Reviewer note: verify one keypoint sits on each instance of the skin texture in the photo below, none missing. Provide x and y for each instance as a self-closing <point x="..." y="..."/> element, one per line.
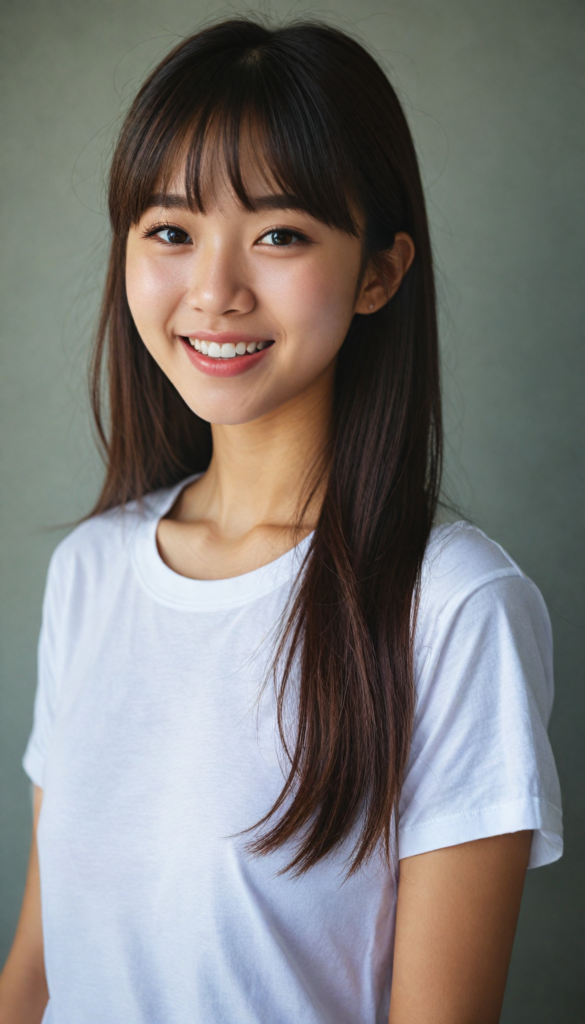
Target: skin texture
<point x="456" y="917"/>
<point x="457" y="907"/>
<point x="268" y="424"/>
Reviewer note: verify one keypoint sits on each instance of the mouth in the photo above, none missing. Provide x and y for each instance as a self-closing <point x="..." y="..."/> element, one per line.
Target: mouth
<point x="227" y="350"/>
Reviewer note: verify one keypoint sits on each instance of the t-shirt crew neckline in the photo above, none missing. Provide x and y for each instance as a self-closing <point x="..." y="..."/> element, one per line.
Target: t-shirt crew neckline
<point x="185" y="594"/>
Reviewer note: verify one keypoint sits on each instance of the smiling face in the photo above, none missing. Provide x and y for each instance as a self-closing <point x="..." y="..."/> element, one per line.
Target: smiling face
<point x="229" y="279"/>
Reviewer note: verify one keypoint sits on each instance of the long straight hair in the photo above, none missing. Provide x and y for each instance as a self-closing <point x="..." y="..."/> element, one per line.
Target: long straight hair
<point x="327" y="128"/>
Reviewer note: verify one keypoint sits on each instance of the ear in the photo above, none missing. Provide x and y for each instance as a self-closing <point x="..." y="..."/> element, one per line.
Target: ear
<point x="379" y="285"/>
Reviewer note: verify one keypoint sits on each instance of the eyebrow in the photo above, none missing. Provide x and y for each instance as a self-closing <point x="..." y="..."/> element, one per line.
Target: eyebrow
<point x="275" y="201"/>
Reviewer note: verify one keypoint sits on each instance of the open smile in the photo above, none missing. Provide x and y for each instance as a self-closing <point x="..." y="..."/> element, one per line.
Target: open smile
<point x="228" y="359"/>
<point x="227" y="350"/>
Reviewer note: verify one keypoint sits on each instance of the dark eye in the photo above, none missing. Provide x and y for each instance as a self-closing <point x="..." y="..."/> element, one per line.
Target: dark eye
<point x="280" y="236"/>
<point x="174" y="236"/>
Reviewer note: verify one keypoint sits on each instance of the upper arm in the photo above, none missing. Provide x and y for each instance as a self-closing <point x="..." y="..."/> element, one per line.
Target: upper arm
<point x="23" y="986"/>
<point x="37" y="803"/>
<point x="456" y="919"/>
<point x="29" y="934"/>
<point x="30" y="931"/>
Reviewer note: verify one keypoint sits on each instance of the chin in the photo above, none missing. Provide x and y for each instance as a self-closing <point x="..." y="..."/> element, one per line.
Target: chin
<point x="223" y="414"/>
<point x="230" y="413"/>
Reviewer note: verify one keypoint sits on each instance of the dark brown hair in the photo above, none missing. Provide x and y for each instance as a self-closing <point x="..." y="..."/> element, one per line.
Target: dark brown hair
<point x="329" y="129"/>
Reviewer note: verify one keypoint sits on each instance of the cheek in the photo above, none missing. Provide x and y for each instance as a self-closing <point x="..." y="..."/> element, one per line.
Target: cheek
<point x="153" y="293"/>
<point x="314" y="303"/>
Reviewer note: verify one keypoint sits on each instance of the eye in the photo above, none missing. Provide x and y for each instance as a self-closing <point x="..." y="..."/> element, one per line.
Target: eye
<point x="282" y="237"/>
<point x="173" y="235"/>
<point x="170" y="234"/>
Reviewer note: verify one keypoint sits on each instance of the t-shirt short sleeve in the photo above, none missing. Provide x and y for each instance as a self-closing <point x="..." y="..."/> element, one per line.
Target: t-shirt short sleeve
<point x="45" y="706"/>
<point x="481" y="762"/>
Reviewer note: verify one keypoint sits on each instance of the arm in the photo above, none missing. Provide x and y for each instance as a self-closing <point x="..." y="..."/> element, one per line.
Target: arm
<point x="456" y="918"/>
<point x="23" y="986"/>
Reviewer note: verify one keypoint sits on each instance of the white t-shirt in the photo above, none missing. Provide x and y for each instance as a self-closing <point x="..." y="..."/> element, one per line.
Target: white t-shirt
<point x="153" y="750"/>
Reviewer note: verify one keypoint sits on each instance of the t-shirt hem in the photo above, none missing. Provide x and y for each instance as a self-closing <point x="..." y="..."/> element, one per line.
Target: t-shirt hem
<point x="544" y="818"/>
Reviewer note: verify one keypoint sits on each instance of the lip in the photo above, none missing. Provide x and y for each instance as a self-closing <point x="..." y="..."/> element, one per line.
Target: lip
<point x="222" y="367"/>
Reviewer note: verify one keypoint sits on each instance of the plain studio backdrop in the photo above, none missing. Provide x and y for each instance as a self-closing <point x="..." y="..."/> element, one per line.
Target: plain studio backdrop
<point x="494" y="92"/>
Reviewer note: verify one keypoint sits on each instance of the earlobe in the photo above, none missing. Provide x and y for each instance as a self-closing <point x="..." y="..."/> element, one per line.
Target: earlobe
<point x="373" y="297"/>
<point x="374" y="293"/>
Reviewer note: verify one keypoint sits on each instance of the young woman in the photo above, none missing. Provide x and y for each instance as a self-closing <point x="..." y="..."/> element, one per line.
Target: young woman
<point x="290" y="732"/>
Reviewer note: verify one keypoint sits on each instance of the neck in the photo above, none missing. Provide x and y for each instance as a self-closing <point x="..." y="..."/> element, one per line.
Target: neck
<point x="258" y="470"/>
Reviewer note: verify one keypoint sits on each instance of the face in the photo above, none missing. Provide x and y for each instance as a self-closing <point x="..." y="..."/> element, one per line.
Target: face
<point x="243" y="311"/>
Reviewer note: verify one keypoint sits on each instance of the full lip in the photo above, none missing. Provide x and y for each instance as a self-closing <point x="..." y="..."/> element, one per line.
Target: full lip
<point x="223" y="368"/>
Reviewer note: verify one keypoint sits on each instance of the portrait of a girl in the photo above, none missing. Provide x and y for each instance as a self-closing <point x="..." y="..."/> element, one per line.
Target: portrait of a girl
<point x="290" y="747"/>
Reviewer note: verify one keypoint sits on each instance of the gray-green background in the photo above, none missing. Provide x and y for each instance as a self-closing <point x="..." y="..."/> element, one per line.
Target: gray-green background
<point x="494" y="92"/>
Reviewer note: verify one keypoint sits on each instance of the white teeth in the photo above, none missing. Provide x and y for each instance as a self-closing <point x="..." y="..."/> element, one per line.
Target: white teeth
<point x="228" y="350"/>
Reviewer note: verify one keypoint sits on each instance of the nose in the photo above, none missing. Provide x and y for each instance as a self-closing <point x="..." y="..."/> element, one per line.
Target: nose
<point x="217" y="285"/>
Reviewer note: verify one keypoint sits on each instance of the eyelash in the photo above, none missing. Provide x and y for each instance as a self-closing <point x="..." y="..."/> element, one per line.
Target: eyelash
<point x="152" y="232"/>
<point x="297" y="235"/>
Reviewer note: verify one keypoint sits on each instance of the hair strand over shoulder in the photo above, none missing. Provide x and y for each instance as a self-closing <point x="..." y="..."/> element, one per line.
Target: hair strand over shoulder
<point x="329" y="129"/>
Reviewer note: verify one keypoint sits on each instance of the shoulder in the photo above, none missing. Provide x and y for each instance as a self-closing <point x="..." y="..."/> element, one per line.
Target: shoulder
<point x="99" y="547"/>
<point x="463" y="567"/>
<point x="460" y="559"/>
<point x="473" y="597"/>
<point x="101" y="540"/>
<point x="478" y="606"/>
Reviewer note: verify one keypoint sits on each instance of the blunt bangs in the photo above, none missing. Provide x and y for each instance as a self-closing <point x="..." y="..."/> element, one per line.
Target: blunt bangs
<point x="214" y="114"/>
